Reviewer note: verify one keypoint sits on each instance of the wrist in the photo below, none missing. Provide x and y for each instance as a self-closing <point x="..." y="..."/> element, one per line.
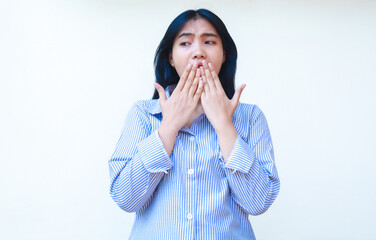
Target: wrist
<point x="226" y="131"/>
<point x="226" y="138"/>
<point x="223" y="125"/>
<point x="168" y="137"/>
<point x="168" y="130"/>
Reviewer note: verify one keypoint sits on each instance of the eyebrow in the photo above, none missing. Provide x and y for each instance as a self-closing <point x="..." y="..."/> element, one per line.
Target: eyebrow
<point x="204" y="34"/>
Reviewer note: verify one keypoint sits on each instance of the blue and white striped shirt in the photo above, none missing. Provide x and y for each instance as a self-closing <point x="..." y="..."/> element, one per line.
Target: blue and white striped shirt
<point x="193" y="194"/>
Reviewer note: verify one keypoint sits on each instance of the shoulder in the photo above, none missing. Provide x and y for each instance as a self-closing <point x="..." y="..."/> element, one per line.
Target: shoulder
<point x="145" y="107"/>
<point x="142" y="109"/>
<point x="248" y="111"/>
<point x="245" y="116"/>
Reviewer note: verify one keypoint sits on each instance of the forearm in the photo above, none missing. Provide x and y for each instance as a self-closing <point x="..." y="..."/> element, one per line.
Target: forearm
<point x="133" y="185"/>
<point x="254" y="185"/>
<point x="254" y="191"/>
<point x="167" y="133"/>
<point x="226" y="138"/>
<point x="136" y="173"/>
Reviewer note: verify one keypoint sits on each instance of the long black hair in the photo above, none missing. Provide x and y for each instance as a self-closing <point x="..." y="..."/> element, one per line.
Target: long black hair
<point x="166" y="75"/>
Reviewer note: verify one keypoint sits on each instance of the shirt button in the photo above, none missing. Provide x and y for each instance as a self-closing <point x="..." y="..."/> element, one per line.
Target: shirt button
<point x="190" y="171"/>
<point x="189" y="216"/>
<point x="192" y="138"/>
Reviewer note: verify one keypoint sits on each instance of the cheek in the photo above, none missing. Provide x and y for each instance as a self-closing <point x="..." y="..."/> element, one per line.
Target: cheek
<point x="179" y="67"/>
<point x="218" y="60"/>
<point x="180" y="62"/>
<point x="218" y="69"/>
<point x="179" y="71"/>
<point x="218" y="64"/>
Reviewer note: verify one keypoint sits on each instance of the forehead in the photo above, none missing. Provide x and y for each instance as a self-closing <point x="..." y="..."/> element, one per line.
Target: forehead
<point x="198" y="26"/>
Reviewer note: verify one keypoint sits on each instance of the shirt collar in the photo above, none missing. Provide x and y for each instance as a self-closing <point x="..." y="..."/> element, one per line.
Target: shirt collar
<point x="155" y="108"/>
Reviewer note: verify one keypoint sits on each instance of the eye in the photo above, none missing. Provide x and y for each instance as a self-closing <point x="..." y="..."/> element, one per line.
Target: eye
<point x="210" y="42"/>
<point x="184" y="44"/>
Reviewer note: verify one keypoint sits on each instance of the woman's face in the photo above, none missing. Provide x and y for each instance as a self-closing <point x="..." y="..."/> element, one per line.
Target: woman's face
<point x="197" y="40"/>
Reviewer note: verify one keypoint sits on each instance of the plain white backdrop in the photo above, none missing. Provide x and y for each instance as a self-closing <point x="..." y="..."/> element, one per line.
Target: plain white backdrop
<point x="70" y="71"/>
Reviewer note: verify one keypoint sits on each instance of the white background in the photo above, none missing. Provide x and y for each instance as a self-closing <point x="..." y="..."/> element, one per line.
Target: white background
<point x="70" y="71"/>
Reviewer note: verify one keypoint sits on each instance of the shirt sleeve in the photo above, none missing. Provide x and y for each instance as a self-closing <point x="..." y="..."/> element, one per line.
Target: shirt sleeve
<point x="251" y="169"/>
<point x="138" y="163"/>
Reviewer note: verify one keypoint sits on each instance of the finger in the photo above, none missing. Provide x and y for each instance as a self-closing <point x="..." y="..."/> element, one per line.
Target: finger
<point x="208" y="76"/>
<point x="215" y="77"/>
<point x="236" y="97"/>
<point x="195" y="83"/>
<point x="206" y="86"/>
<point x="200" y="90"/>
<point x="161" y="92"/>
<point x="190" y="78"/>
<point x="183" y="77"/>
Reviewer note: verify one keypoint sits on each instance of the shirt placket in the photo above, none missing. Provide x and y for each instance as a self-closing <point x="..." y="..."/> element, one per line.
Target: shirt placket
<point x="191" y="183"/>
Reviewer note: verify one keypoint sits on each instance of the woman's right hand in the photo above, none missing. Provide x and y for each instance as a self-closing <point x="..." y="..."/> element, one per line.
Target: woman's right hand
<point x="178" y="108"/>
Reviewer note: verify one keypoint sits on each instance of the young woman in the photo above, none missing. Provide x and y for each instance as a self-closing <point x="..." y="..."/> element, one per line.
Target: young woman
<point x="194" y="163"/>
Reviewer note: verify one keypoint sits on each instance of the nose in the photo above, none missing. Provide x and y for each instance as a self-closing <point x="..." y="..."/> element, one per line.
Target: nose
<point x="199" y="53"/>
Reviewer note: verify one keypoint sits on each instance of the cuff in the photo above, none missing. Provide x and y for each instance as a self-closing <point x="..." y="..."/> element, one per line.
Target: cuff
<point x="241" y="157"/>
<point x="154" y="155"/>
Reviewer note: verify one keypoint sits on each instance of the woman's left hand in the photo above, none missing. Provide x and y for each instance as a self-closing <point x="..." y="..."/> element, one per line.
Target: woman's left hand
<point x="218" y="108"/>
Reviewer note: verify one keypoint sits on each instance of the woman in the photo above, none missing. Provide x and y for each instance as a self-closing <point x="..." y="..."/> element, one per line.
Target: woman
<point x="194" y="163"/>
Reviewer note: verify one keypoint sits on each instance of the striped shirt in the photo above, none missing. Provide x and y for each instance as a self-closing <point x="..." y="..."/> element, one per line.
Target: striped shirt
<point x="193" y="194"/>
